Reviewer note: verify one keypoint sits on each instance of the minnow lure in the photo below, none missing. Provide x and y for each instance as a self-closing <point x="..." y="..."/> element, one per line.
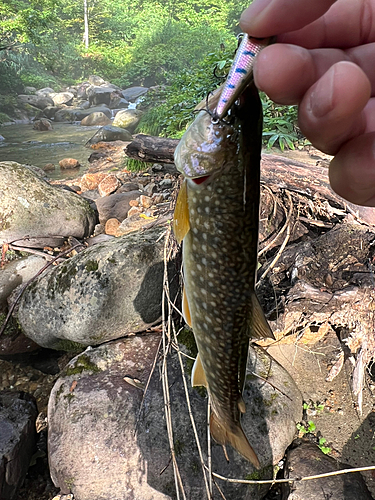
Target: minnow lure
<point x="240" y="73"/>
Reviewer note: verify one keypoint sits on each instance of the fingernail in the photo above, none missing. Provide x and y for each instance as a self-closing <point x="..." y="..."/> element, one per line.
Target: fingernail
<point x="249" y="16"/>
<point x="321" y="99"/>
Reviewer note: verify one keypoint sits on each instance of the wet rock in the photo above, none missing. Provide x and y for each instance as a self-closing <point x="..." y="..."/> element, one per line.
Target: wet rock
<point x="308" y="460"/>
<point x="42" y="125"/>
<point x="62" y="98"/>
<point x="115" y="206"/>
<point x="98" y="118"/>
<point x="131" y="94"/>
<point x="108" y="185"/>
<point x="92" y="438"/>
<point x="50" y="111"/>
<point x="111" y="226"/>
<point x="96" y="155"/>
<point x="48" y="167"/>
<point x="102" y="293"/>
<point x="41" y="210"/>
<point x="118" y="102"/>
<point x="69" y="163"/>
<point x="78" y="114"/>
<point x="127" y="119"/>
<point x="18" y="414"/>
<point x="110" y="133"/>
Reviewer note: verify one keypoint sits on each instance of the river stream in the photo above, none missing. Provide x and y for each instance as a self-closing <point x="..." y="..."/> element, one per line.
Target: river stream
<point x="66" y="140"/>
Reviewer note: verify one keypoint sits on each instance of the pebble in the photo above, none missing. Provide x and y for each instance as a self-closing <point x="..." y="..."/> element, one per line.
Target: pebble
<point x="146" y="201"/>
<point x="68" y="163"/>
<point x="108" y="185"/>
<point x="111" y="226"/>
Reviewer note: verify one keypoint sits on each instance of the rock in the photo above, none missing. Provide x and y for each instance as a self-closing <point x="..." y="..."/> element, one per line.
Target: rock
<point x="18" y="414"/>
<point x="30" y="90"/>
<point x="99" y="436"/>
<point x="107" y="291"/>
<point x="134" y="211"/>
<point x="50" y="111"/>
<point x="134" y="203"/>
<point x="48" y="167"/>
<point x="69" y="163"/>
<point x="45" y="91"/>
<point x="17" y="272"/>
<point x="39" y="101"/>
<point x="127" y="119"/>
<point x="111" y="226"/>
<point x="308" y="460"/>
<point x="128" y="186"/>
<point x="42" y="125"/>
<point x="132" y="223"/>
<point x="96" y="119"/>
<point x="62" y="98"/>
<point x="13" y="341"/>
<point x="108" y="185"/>
<point x="99" y="95"/>
<point x="131" y="94"/>
<point x="96" y="80"/>
<point x="96" y="155"/>
<point x="81" y="90"/>
<point x="77" y="114"/>
<point x="2" y="138"/>
<point x="166" y="183"/>
<point x="145" y="201"/>
<point x="115" y="206"/>
<point x="118" y="102"/>
<point x="65" y="115"/>
<point x="110" y="133"/>
<point x="91" y="181"/>
<point x="40" y="209"/>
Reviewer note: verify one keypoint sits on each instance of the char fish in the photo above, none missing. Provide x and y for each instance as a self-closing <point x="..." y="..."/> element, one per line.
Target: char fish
<point x="217" y="217"/>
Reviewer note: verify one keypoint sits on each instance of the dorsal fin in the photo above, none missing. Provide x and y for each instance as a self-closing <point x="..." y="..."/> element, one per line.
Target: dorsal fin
<point x="181" y="224"/>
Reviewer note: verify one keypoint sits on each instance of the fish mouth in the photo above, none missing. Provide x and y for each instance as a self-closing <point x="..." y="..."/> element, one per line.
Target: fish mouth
<point x="200" y="180"/>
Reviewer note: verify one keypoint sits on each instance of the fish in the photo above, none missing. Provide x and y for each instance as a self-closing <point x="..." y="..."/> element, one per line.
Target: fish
<point x="216" y="217"/>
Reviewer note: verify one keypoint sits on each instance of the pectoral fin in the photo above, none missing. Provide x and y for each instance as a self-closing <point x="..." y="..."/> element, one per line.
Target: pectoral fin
<point x="198" y="376"/>
<point x="181" y="224"/>
<point x="235" y="437"/>
<point x="259" y="327"/>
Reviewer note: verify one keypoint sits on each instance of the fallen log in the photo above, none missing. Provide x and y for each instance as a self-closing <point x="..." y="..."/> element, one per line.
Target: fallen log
<point x="151" y="149"/>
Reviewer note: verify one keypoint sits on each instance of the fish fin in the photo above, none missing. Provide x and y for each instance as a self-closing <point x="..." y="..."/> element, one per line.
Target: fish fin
<point x="181" y="224"/>
<point x="236" y="438"/>
<point x="198" y="376"/>
<point x="241" y="405"/>
<point x="185" y="308"/>
<point x="259" y="325"/>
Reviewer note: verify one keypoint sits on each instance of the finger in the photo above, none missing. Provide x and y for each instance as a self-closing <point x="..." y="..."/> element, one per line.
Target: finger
<point x="270" y="17"/>
<point x="352" y="171"/>
<point x="332" y="110"/>
<point x="286" y="72"/>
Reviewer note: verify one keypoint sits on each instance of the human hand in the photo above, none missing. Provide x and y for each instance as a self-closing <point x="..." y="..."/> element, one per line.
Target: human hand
<point x="324" y="61"/>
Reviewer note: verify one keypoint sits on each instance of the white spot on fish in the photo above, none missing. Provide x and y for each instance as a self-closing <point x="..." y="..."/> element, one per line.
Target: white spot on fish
<point x="195" y="230"/>
<point x="204" y="236"/>
<point x="204" y="260"/>
<point x="206" y="198"/>
<point x="199" y="267"/>
<point x="207" y="210"/>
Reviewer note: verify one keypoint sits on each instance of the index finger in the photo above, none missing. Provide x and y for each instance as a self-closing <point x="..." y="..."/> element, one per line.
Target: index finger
<point x="265" y="18"/>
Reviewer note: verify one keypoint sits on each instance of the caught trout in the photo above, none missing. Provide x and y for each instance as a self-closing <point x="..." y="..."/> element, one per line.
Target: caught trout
<point x="217" y="216"/>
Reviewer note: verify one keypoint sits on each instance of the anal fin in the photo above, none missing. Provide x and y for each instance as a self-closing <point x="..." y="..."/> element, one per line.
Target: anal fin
<point x="259" y="327"/>
<point x="198" y="377"/>
<point x="181" y="224"/>
<point x="236" y="438"/>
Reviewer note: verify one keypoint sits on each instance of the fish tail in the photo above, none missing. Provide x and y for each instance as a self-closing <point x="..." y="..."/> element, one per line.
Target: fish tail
<point x="235" y="437"/>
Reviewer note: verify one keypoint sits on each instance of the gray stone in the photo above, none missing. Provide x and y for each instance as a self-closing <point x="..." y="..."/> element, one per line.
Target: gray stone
<point x="42" y="125"/>
<point x="128" y="119"/>
<point x="115" y="206"/>
<point x="45" y="91"/>
<point x="39" y="101"/>
<point x="131" y="94"/>
<point x="96" y="80"/>
<point x="102" y="446"/>
<point x="29" y="206"/>
<point x="118" y="102"/>
<point x="99" y="95"/>
<point x="30" y="90"/>
<point x="109" y="133"/>
<point x="18" y="414"/>
<point x="103" y="293"/>
<point x="308" y="460"/>
<point x="78" y="114"/>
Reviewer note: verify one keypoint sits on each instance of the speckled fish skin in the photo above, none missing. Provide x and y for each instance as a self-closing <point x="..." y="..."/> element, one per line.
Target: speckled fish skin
<point x="241" y="72"/>
<point x="220" y="250"/>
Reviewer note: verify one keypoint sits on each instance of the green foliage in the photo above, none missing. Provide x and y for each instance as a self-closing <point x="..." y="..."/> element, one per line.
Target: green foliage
<point x="321" y="445"/>
<point x="279" y="124"/>
<point x="4" y="118"/>
<point x="136" y="165"/>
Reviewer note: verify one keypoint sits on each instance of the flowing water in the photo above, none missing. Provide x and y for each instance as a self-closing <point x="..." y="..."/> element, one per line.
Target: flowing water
<point x="25" y="145"/>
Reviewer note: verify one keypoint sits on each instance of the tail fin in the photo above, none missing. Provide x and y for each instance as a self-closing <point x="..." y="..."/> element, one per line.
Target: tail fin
<point x="237" y="439"/>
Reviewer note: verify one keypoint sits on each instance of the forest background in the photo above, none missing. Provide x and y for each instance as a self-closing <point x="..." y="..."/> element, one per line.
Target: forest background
<point x="183" y="47"/>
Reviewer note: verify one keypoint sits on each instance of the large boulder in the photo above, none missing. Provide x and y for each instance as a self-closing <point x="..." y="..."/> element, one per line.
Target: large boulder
<point x="98" y="118"/>
<point x="99" y="95"/>
<point x="18" y="414"/>
<point x="45" y="91"/>
<point x="96" y="80"/>
<point x="109" y="133"/>
<point x="115" y="205"/>
<point x="103" y="293"/>
<point x="70" y="114"/>
<point x="62" y="98"/>
<point x="39" y="101"/>
<point x="127" y="118"/>
<point x="105" y="441"/>
<point x="131" y="94"/>
<point x="29" y="206"/>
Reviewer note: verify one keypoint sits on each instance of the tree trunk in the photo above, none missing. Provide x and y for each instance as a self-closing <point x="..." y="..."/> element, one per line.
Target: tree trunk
<point x="151" y="149"/>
